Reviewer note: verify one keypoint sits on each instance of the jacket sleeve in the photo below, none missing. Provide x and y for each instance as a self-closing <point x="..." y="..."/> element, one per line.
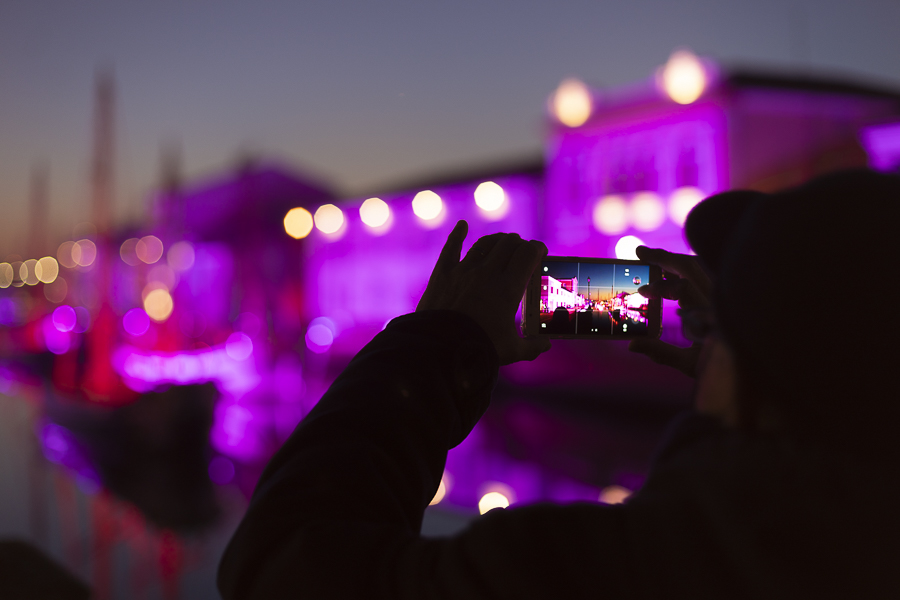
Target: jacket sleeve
<point x="338" y="510"/>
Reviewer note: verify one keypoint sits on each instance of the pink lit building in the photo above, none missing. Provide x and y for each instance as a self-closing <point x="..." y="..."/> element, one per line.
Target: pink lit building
<point x="560" y="292"/>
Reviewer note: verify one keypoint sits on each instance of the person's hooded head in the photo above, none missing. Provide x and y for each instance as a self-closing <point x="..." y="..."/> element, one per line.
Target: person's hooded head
<point x="806" y="297"/>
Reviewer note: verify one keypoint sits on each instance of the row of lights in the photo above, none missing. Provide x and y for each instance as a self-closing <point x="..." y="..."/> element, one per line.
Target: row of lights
<point x="683" y="79"/>
<point x="645" y="212"/>
<point x="375" y="212"/>
<point x="29" y="272"/>
<point x="500" y="495"/>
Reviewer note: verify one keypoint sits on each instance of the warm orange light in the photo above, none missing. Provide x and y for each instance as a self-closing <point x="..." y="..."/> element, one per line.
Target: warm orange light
<point x="329" y="218"/>
<point x="492" y="500"/>
<point x="647" y="211"/>
<point x="27" y="272"/>
<point x="149" y="249"/>
<point x="427" y="205"/>
<point x="64" y="255"/>
<point x="374" y="212"/>
<point x="6" y="275"/>
<point x="572" y="104"/>
<point x="683" y="77"/>
<point x="127" y="252"/>
<point x="614" y="494"/>
<point x="298" y="223"/>
<point x="84" y="252"/>
<point x="443" y="489"/>
<point x="682" y="201"/>
<point x="611" y="215"/>
<point x="158" y="304"/>
<point x="46" y="269"/>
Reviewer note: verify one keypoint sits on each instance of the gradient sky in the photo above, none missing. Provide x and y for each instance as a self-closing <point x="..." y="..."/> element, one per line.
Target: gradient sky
<point x="360" y="94"/>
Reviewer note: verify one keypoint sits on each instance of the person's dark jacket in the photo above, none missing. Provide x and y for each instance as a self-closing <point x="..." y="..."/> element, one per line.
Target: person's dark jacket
<point x="723" y="514"/>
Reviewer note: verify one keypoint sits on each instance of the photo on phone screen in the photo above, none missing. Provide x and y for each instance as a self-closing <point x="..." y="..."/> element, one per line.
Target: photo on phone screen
<point x="593" y="299"/>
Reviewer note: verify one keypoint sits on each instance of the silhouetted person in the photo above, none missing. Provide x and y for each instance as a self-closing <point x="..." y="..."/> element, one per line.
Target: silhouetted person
<point x="560" y="322"/>
<point x="782" y="483"/>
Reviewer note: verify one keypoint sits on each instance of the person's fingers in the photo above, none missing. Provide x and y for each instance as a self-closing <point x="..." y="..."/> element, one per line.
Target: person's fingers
<point x="449" y="257"/>
<point x="683" y="265"/>
<point x="481" y="248"/>
<point x="683" y="359"/>
<point x="524" y="261"/>
<point x="500" y="254"/>
<point x="681" y="290"/>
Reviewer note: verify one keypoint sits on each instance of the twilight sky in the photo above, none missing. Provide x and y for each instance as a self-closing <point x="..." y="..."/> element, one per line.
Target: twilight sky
<point x="360" y="94"/>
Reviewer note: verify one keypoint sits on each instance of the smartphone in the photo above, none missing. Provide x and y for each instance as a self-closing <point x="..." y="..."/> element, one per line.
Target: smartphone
<point x="591" y="298"/>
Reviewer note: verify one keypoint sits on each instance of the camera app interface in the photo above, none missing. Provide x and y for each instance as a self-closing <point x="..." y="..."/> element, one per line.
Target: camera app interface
<point x="593" y="299"/>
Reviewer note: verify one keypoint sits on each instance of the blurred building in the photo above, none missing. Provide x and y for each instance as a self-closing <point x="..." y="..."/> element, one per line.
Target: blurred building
<point x="263" y="283"/>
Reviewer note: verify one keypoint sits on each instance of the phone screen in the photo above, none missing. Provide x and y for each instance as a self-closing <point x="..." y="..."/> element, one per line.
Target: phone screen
<point x="593" y="299"/>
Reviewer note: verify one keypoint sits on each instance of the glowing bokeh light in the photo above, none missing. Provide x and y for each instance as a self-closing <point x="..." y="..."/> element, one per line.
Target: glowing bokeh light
<point x="572" y="103"/>
<point x="489" y="196"/>
<point x="180" y="256"/>
<point x="492" y="500"/>
<point x="127" y="252"/>
<point x="614" y="494"/>
<point x="427" y="205"/>
<point x="239" y="346"/>
<point x="149" y="249"/>
<point x="298" y="223"/>
<point x="6" y="275"/>
<point x="64" y="318"/>
<point x="611" y="215"/>
<point x="647" y="211"/>
<point x="319" y="338"/>
<point x="82" y="320"/>
<point x="56" y="292"/>
<point x="683" y="77"/>
<point x="626" y="246"/>
<point x="64" y="255"/>
<point x="221" y="470"/>
<point x="84" y="252"/>
<point x="136" y="322"/>
<point x="443" y="489"/>
<point x="374" y="212"/>
<point x="158" y="304"/>
<point x="329" y="218"/>
<point x="28" y="273"/>
<point x="47" y="269"/>
<point x="682" y="201"/>
<point x="56" y="341"/>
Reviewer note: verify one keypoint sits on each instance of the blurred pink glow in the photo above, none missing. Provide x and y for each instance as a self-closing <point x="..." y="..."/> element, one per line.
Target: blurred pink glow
<point x="57" y="341"/>
<point x="136" y="322"/>
<point x="64" y="318"/>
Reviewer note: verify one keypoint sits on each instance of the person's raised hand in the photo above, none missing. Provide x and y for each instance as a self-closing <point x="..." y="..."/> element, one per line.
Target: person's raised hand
<point x="487" y="285"/>
<point x="685" y="281"/>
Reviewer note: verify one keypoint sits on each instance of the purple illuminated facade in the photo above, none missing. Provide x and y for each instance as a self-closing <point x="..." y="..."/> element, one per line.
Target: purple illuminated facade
<point x="271" y="320"/>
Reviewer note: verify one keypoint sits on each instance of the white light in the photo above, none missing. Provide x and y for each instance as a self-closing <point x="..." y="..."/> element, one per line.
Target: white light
<point x="682" y="201"/>
<point x="329" y="218"/>
<point x="149" y="249"/>
<point x="158" y="304"/>
<point x="647" y="211"/>
<point x="572" y="103"/>
<point x="626" y="246"/>
<point x="614" y="494"/>
<point x="492" y="500"/>
<point x="6" y="275"/>
<point x="427" y="205"/>
<point x="298" y="223"/>
<point x="683" y="77"/>
<point x="84" y="252"/>
<point x="374" y="212"/>
<point x="611" y="215"/>
<point x="489" y="196"/>
<point x="443" y="488"/>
